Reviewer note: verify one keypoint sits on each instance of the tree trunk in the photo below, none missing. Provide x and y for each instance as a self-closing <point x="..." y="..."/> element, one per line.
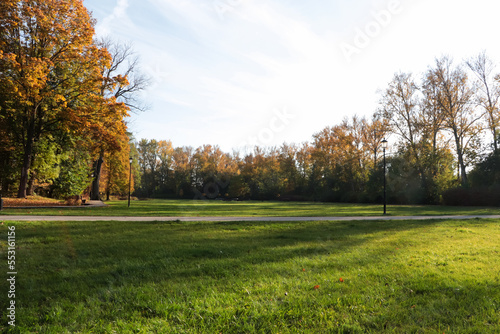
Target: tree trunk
<point x="463" y="171"/>
<point x="24" y="179"/>
<point x="495" y="143"/>
<point x="95" y="196"/>
<point x="25" y="169"/>
<point x="108" y="184"/>
<point x="461" y="164"/>
<point x="31" y="184"/>
<point x="5" y="163"/>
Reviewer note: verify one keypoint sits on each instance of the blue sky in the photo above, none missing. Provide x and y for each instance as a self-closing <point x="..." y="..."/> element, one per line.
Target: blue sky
<point x="239" y="73"/>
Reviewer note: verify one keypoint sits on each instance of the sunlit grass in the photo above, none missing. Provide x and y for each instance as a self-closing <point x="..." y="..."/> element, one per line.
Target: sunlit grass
<point x="206" y="208"/>
<point x="371" y="277"/>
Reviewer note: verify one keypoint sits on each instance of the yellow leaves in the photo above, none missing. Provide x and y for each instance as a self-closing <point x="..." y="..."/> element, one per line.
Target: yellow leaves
<point x="60" y="100"/>
<point x="36" y="71"/>
<point x="9" y="58"/>
<point x="121" y="80"/>
<point x="53" y="63"/>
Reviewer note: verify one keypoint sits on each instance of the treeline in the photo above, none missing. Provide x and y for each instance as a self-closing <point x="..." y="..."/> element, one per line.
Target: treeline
<point x="64" y="96"/>
<point x="442" y="128"/>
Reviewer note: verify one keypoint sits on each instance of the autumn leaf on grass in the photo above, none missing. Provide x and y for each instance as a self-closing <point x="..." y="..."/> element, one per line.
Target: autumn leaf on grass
<point x="316" y="287"/>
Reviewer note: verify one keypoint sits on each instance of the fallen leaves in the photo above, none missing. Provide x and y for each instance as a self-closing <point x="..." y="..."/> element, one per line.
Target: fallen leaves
<point x="31" y="201"/>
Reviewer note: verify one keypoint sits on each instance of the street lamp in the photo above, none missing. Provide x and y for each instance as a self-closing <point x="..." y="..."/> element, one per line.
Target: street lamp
<point x="130" y="180"/>
<point x="384" y="147"/>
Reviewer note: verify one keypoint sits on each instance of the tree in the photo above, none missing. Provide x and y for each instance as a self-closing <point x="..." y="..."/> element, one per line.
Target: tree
<point x="372" y="135"/>
<point x="49" y="70"/>
<point x="116" y="170"/>
<point x="74" y="175"/>
<point x="288" y="167"/>
<point x="303" y="160"/>
<point x="340" y="161"/>
<point x="488" y="95"/>
<point x="166" y="161"/>
<point x="149" y="163"/>
<point x="211" y="171"/>
<point x="183" y="169"/>
<point x="121" y="83"/>
<point x="401" y="106"/>
<point x="453" y="96"/>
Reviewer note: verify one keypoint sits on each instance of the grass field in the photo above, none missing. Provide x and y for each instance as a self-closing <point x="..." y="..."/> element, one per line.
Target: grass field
<point x="250" y="208"/>
<point x="306" y="277"/>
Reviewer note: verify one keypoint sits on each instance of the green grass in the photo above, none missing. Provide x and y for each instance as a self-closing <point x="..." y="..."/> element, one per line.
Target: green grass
<point x="398" y="277"/>
<point x="250" y="208"/>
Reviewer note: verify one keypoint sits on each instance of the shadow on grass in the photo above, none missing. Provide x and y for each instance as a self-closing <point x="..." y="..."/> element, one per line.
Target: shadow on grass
<point x="74" y="262"/>
<point x="155" y="251"/>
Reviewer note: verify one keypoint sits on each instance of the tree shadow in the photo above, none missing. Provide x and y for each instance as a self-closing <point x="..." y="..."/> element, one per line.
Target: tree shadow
<point x="68" y="261"/>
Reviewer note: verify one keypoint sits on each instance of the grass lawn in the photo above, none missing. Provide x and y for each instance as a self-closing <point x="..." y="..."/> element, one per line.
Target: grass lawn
<point x="303" y="277"/>
<point x="250" y="208"/>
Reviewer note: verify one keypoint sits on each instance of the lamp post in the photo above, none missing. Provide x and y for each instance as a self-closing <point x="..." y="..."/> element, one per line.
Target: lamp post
<point x="384" y="147"/>
<point x="130" y="180"/>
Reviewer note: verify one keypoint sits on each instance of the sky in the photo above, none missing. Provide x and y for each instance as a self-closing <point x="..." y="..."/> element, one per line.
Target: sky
<point x="241" y="73"/>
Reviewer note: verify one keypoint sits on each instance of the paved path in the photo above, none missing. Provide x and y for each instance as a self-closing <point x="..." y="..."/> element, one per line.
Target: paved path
<point x="232" y="219"/>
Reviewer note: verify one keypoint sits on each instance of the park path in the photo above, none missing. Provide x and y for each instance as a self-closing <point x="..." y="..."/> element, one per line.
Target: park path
<point x="234" y="219"/>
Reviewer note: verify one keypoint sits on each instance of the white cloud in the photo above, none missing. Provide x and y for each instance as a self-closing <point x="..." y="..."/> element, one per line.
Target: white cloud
<point x="119" y="13"/>
<point x="227" y="68"/>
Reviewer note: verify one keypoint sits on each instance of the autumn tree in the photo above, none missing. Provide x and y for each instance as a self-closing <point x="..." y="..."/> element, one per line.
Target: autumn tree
<point x="8" y="147"/>
<point x="212" y="169"/>
<point x="121" y="84"/>
<point x="116" y="170"/>
<point x="165" y="164"/>
<point x="453" y="95"/>
<point x="287" y="157"/>
<point x="261" y="172"/>
<point x="149" y="162"/>
<point x="400" y="105"/>
<point x="374" y="132"/>
<point x="303" y="160"/>
<point x="183" y="170"/>
<point x="340" y="160"/>
<point x="50" y="67"/>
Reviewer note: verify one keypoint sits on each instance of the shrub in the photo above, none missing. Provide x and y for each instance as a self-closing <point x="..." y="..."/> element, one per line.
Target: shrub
<point x="477" y="196"/>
